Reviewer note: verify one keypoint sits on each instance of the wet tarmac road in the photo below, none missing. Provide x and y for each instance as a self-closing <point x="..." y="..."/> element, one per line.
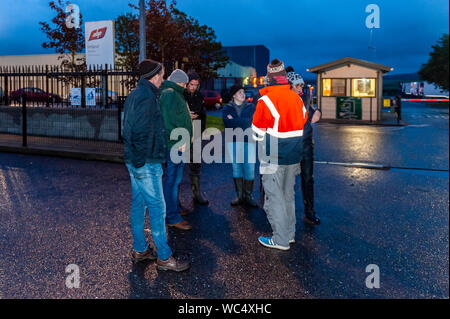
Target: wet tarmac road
<point x="55" y="212"/>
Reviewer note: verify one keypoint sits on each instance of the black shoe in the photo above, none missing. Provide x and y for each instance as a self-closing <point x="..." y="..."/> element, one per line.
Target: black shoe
<point x="238" y="184"/>
<point x="248" y="190"/>
<point x="195" y="186"/>
<point x="311" y="218"/>
<point x="146" y="255"/>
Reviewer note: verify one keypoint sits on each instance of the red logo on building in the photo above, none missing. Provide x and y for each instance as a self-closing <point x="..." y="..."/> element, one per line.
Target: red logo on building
<point x="97" y="34"/>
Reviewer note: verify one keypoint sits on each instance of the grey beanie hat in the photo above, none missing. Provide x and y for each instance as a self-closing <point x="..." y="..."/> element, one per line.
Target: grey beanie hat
<point x="179" y="76"/>
<point x="294" y="78"/>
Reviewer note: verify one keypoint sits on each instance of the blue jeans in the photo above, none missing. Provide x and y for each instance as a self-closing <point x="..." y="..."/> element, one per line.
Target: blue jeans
<point x="172" y="178"/>
<point x="146" y="190"/>
<point x="244" y="159"/>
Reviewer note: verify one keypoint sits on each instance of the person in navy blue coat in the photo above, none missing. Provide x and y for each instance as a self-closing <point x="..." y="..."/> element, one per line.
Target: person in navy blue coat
<point x="239" y="114"/>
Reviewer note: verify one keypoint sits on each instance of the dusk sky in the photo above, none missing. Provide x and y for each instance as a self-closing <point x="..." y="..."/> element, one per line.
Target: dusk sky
<point x="301" y="33"/>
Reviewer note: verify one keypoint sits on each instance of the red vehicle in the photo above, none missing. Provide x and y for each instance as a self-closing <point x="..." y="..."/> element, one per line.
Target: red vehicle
<point x="212" y="99"/>
<point x="34" y="95"/>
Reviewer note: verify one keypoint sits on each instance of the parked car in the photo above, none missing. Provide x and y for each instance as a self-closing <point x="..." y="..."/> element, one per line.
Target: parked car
<point x="212" y="99"/>
<point x="34" y="95"/>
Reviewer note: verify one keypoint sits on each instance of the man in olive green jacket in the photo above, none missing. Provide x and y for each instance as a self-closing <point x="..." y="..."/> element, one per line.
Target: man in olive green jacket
<point x="176" y="115"/>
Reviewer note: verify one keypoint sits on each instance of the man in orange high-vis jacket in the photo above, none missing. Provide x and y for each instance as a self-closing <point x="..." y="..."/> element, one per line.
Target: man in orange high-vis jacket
<point x="279" y="118"/>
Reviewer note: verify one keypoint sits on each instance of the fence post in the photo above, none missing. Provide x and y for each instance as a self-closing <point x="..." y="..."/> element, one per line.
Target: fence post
<point x="47" y="103"/>
<point x="83" y="91"/>
<point x="24" y="120"/>
<point x="119" y="118"/>
<point x="6" y="93"/>
<point x="105" y="89"/>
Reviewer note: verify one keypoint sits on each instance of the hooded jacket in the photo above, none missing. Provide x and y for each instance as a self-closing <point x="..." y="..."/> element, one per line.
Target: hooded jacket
<point x="175" y="110"/>
<point x="281" y="114"/>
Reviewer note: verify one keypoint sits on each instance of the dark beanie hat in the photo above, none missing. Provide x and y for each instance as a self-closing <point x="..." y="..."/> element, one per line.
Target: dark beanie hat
<point x="234" y="89"/>
<point x="193" y="76"/>
<point x="290" y="69"/>
<point x="149" y="68"/>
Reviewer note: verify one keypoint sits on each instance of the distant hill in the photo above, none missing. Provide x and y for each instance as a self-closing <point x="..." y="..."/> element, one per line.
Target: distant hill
<point x="405" y="77"/>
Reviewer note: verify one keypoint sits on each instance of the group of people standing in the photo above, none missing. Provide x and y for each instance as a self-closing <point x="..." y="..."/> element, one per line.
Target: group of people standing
<point x="156" y="107"/>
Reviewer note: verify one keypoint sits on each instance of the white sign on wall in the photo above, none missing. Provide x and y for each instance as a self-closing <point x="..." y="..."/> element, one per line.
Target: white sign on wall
<point x="90" y="96"/>
<point x="99" y="36"/>
<point x="75" y="96"/>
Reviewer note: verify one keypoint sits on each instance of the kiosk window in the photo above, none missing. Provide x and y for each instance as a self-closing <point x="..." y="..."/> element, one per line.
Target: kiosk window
<point x="363" y="87"/>
<point x="333" y="87"/>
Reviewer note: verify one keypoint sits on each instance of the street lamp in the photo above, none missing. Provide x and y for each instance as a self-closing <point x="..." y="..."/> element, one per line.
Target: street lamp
<point x="142" y="39"/>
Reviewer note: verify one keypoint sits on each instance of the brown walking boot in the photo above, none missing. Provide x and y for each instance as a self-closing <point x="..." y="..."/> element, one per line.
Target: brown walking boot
<point x="183" y="225"/>
<point x="172" y="264"/>
<point x="146" y="255"/>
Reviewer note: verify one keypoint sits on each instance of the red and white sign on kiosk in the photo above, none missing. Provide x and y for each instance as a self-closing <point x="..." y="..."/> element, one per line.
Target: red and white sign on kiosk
<point x="99" y="36"/>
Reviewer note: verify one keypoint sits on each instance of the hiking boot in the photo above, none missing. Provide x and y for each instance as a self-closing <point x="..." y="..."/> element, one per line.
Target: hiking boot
<point x="146" y="255"/>
<point x="183" y="225"/>
<point x="172" y="264"/>
<point x="310" y="217"/>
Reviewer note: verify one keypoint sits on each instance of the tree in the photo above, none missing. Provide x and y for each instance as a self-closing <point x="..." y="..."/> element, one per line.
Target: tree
<point x="436" y="70"/>
<point x="66" y="41"/>
<point x="173" y="38"/>
<point x="204" y="52"/>
<point x="127" y="40"/>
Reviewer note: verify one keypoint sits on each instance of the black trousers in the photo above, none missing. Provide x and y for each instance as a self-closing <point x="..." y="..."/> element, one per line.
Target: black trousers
<point x="194" y="168"/>
<point x="307" y="178"/>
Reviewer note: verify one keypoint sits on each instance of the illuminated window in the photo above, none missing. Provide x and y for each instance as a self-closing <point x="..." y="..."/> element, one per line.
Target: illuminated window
<point x="363" y="87"/>
<point x="333" y="87"/>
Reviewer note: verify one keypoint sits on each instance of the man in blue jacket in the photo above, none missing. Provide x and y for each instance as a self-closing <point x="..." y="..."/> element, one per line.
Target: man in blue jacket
<point x="145" y="150"/>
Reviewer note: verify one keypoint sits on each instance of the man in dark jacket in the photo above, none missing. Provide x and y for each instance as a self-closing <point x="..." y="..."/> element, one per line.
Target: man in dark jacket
<point x="198" y="113"/>
<point x="307" y="162"/>
<point x="145" y="150"/>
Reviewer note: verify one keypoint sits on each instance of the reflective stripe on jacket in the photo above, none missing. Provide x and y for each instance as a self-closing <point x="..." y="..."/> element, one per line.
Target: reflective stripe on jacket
<point x="280" y="112"/>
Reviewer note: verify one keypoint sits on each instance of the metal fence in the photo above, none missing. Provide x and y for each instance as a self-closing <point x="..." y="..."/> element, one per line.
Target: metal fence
<point x="39" y="109"/>
<point x="51" y="86"/>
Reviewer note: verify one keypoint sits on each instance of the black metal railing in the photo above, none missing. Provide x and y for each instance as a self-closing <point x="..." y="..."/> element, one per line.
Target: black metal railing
<point x="52" y="86"/>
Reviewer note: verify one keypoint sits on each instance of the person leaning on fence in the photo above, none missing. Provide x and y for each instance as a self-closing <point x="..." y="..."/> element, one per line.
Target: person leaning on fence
<point x="279" y="118"/>
<point x="145" y="151"/>
<point x="307" y="162"/>
<point x="176" y="115"/>
<point x="238" y="114"/>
